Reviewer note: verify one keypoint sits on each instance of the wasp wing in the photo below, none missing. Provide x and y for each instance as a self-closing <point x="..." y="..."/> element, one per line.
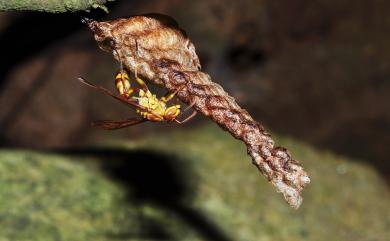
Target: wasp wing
<point x="130" y="102"/>
<point x="112" y="125"/>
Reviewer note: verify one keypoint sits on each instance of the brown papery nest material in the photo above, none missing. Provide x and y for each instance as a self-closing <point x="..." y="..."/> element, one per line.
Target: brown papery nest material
<point x="162" y="53"/>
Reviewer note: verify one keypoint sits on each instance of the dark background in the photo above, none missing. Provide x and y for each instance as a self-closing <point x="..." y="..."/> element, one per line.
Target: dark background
<point x="314" y="70"/>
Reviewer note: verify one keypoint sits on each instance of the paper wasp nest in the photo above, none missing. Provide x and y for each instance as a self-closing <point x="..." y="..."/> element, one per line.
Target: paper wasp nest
<point x="164" y="55"/>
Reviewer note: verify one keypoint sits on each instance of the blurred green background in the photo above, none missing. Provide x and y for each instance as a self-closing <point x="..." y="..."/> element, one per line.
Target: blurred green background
<point x="315" y="73"/>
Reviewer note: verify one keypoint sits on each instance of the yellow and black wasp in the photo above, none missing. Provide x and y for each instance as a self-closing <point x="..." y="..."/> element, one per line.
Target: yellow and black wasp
<point x="146" y="104"/>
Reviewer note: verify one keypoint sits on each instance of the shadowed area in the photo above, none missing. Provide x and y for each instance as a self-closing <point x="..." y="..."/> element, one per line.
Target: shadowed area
<point x="156" y="178"/>
<point x="41" y="30"/>
<point x="197" y="185"/>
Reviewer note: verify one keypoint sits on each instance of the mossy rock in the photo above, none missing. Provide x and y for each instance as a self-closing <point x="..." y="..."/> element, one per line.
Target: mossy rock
<point x="187" y="185"/>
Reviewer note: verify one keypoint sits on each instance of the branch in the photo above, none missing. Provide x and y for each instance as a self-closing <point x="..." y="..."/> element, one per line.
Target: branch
<point x="161" y="52"/>
<point x="52" y="6"/>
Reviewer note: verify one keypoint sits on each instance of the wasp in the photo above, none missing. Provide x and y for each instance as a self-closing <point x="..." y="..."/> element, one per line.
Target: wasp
<point x="146" y="104"/>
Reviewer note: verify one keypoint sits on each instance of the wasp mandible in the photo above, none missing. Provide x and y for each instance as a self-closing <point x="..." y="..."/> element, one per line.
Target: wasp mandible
<point x="146" y="104"/>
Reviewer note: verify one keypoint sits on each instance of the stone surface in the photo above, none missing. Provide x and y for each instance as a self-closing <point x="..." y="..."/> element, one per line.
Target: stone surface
<point x="188" y="185"/>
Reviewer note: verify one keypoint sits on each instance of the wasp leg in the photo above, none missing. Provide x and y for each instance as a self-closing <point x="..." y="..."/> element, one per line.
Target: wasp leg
<point x="189" y="106"/>
<point x="105" y="91"/>
<point x="112" y="125"/>
<point x="142" y="83"/>
<point x="131" y="91"/>
<point x="169" y="96"/>
<point x="119" y="59"/>
<point x="193" y="114"/>
<point x="139" y="80"/>
<point x="127" y="91"/>
<point x="136" y="48"/>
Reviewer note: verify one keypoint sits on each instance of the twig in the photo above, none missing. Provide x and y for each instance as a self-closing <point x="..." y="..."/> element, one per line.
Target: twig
<point x="161" y="52"/>
<point x="52" y="6"/>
